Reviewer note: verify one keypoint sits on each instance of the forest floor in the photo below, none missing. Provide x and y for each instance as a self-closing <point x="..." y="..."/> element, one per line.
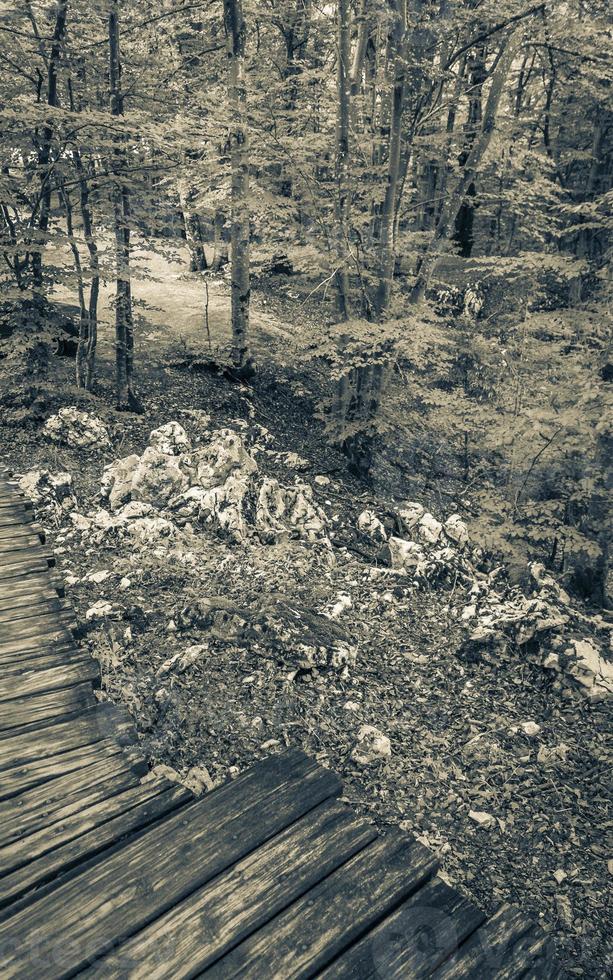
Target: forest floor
<point x="457" y="745"/>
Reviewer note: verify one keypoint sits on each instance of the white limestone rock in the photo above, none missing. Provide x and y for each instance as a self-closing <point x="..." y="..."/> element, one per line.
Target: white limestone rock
<point x="170" y="439"/>
<point x="72" y="427"/>
<point x="370" y="526"/>
<point x="372" y="746"/>
<point x="157" y="478"/>
<point x="456" y="530"/>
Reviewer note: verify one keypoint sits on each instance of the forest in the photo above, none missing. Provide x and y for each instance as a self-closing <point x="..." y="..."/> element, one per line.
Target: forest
<point x="305" y="360"/>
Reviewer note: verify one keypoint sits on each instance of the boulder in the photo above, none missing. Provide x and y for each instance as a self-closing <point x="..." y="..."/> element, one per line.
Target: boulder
<point x="409" y="514"/>
<point x="429" y="529"/>
<point x="211" y="465"/>
<point x="72" y="427"/>
<point x="157" y="478"/>
<point x="149" y="530"/>
<point x="456" y="530"/>
<point x="370" y="526"/>
<point x="51" y="492"/>
<point x="170" y="439"/>
<point x="405" y="556"/>
<point x="372" y="746"/>
<point x="590" y="669"/>
<point x="284" y="513"/>
<point x="117" y="479"/>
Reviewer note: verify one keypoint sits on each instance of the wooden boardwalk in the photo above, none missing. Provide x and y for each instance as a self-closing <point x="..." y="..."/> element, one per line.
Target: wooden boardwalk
<point x="105" y="871"/>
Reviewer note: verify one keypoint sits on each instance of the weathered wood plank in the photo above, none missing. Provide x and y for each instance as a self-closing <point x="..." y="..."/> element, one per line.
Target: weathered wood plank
<point x="26" y="565"/>
<point x="146" y="877"/>
<point x="206" y="925"/>
<point x="34" y="712"/>
<point x="304" y="938"/>
<point x="504" y="948"/>
<point x="23" y="814"/>
<point x="32" y="533"/>
<point x="105" y="721"/>
<point x="20" y="547"/>
<point x="33" y="610"/>
<point x="156" y="800"/>
<point x="115" y="795"/>
<point x="413" y="940"/>
<point x="32" y="681"/>
<point x="33" y="583"/>
<point x="36" y="626"/>
<point x="42" y="655"/>
<point x="30" y="597"/>
<point x="14" y="781"/>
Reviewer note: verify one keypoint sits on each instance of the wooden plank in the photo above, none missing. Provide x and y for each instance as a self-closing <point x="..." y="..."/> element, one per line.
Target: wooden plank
<point x="53" y="639"/>
<point x="26" y="565"/>
<point x="117" y="794"/>
<point x="118" y="896"/>
<point x="42" y="657"/>
<point x="33" y="681"/>
<point x="19" y="546"/>
<point x="34" y="712"/>
<point x="23" y="532"/>
<point x="40" y="625"/>
<point x="29" y="597"/>
<point x="105" y="721"/>
<point x="33" y="610"/>
<point x="199" y="930"/>
<point x="413" y="940"/>
<point x="156" y="800"/>
<point x="31" y="584"/>
<point x="23" y="814"/>
<point x="303" y="939"/>
<point x="10" y="519"/>
<point x="14" y="781"/>
<point x="504" y="948"/>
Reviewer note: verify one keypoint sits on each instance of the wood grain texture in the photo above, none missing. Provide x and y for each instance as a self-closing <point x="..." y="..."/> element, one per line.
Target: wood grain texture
<point x="156" y="800"/>
<point x="115" y="898"/>
<point x="32" y="681"/>
<point x="335" y="913"/>
<point x="44" y="805"/>
<point x="413" y="940"/>
<point x="502" y="949"/>
<point x="39" y="710"/>
<point x="215" y="918"/>
<point x="41" y="770"/>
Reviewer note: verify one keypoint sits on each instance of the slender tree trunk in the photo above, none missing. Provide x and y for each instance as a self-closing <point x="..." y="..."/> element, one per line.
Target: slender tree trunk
<point x="220" y="245"/>
<point x="193" y="231"/>
<point x="124" y="334"/>
<point x="44" y="153"/>
<point x="455" y="198"/>
<point x="388" y="212"/>
<point x="343" y="199"/>
<point x="237" y="96"/>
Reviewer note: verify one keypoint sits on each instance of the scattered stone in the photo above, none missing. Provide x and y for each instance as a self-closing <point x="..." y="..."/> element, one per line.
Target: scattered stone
<point x="372" y="746"/>
<point x="560" y="876"/>
<point x="72" y="427"/>
<point x="482" y="819"/>
<point x="98" y="577"/>
<point x="125" y="583"/>
<point x="198" y="780"/>
<point x="590" y="669"/>
<point x="530" y="728"/>
<point x="340" y="606"/>
<point x="429" y="529"/>
<point x="351" y="706"/>
<point x="456" y="530"/>
<point x="99" y="610"/>
<point x="405" y="556"/>
<point x="50" y="492"/>
<point x="322" y="481"/>
<point x="272" y="743"/>
<point x="409" y="514"/>
<point x="370" y="525"/>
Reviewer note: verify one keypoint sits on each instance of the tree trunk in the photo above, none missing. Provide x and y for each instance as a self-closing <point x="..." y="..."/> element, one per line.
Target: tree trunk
<point x="237" y="97"/>
<point x="193" y="231"/>
<point x="455" y="198"/>
<point x="388" y="212"/>
<point x="44" y="153"/>
<point x="124" y="334"/>
<point x="343" y="199"/>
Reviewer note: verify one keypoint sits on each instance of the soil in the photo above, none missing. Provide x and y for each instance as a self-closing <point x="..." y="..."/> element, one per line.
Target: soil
<point x="450" y="722"/>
